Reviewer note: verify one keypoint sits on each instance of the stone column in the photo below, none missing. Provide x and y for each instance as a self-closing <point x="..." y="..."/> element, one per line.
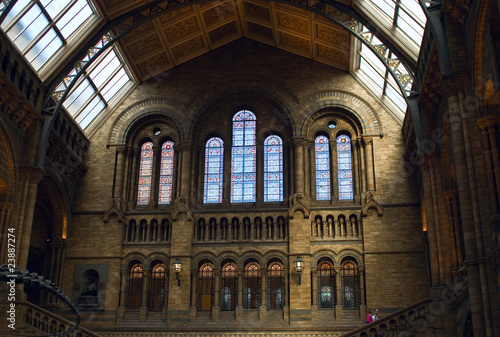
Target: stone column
<point x="488" y="135"/>
<point x="143" y="310"/>
<point x="362" y="306"/>
<point x="194" y="292"/>
<point x="299" y="164"/>
<point x="338" y="288"/>
<point x="263" y="294"/>
<point x="312" y="171"/>
<point x="120" y="311"/>
<point x="186" y="169"/>
<point x="370" y="180"/>
<point x="239" y="304"/>
<point x="132" y="188"/>
<point x="29" y="179"/>
<point x="119" y="175"/>
<point x="355" y="167"/>
<point x="155" y="179"/>
<point x="314" y="284"/>
<point x="216" y="307"/>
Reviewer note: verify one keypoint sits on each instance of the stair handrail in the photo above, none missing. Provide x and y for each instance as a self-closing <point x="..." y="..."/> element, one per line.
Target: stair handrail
<point x="414" y="316"/>
<point x="31" y="320"/>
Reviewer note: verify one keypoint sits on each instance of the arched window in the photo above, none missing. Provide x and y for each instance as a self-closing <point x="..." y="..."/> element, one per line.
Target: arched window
<point x="344" y="167"/>
<point x="243" y="162"/>
<point x="229" y="287"/>
<point x="166" y="172"/>
<point x="135" y="287"/>
<point x="214" y="159"/>
<point x="276" y="286"/>
<point x="326" y="285"/>
<point x="252" y="291"/>
<point x="273" y="169"/>
<point x="322" y="156"/>
<point x="157" y="291"/>
<point x="206" y="287"/>
<point x="145" y="174"/>
<point x="350" y="284"/>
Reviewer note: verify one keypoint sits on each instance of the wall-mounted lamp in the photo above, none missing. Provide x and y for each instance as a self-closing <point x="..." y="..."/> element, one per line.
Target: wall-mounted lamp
<point x="299" y="266"/>
<point x="177" y="267"/>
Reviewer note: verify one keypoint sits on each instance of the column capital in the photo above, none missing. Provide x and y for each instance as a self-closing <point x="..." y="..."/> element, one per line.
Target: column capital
<point x="121" y="149"/>
<point x="34" y="175"/>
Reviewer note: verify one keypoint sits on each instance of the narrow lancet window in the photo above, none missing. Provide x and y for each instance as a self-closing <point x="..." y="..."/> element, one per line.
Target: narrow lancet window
<point x="166" y="173"/>
<point x="145" y="173"/>
<point x="214" y="154"/>
<point x="243" y="163"/>
<point x="344" y="167"/>
<point x="322" y="155"/>
<point x="273" y="169"/>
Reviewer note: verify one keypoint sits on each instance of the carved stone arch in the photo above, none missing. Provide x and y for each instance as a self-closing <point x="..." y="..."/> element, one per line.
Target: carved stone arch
<point x="227" y="256"/>
<point x="155" y="257"/>
<point x="252" y="255"/>
<point x="351" y="253"/>
<point x="322" y="254"/>
<point x="268" y="91"/>
<point x="195" y="265"/>
<point x="54" y="191"/>
<point x="129" y="258"/>
<point x="363" y="113"/>
<point x="272" y="255"/>
<point x="170" y="111"/>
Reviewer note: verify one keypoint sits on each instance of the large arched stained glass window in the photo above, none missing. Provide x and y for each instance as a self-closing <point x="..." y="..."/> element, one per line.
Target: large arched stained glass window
<point x="206" y="287"/>
<point x="273" y="169"/>
<point x="229" y="287"/>
<point x="276" y="289"/>
<point x="135" y="287"/>
<point x="322" y="156"/>
<point x="157" y="290"/>
<point x="166" y="173"/>
<point x="326" y="285"/>
<point x="145" y="173"/>
<point x="243" y="174"/>
<point x="252" y="290"/>
<point x="214" y="154"/>
<point x="344" y="167"/>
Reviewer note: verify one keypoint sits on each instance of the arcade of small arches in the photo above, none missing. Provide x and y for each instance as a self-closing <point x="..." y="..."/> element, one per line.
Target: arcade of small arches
<point x="227" y="281"/>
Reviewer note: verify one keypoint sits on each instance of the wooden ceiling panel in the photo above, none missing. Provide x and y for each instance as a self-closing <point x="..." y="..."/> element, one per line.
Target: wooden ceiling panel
<point x="187" y="32"/>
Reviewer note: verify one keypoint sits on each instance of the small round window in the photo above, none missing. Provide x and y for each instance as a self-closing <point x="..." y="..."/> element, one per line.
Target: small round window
<point x="332" y="124"/>
<point x="157" y="131"/>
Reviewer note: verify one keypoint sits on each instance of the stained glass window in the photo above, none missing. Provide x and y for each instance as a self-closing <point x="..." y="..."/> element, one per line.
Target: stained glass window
<point x="243" y="175"/>
<point x="157" y="291"/>
<point x="214" y="154"/>
<point x="145" y="173"/>
<point x="229" y="287"/>
<point x="166" y="172"/>
<point x="206" y="287"/>
<point x="276" y="286"/>
<point x="322" y="168"/>
<point x="326" y="285"/>
<point x="135" y="287"/>
<point x="252" y="290"/>
<point x="273" y="169"/>
<point x="344" y="167"/>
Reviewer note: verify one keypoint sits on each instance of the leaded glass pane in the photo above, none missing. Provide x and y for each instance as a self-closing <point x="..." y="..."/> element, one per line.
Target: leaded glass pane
<point x="273" y="169"/>
<point x="243" y="157"/>
<point x="276" y="290"/>
<point x="166" y="172"/>
<point x="322" y="168"/>
<point x="214" y="154"/>
<point x="145" y="173"/>
<point x="344" y="167"/>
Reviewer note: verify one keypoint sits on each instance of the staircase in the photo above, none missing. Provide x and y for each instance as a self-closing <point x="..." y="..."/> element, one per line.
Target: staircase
<point x="411" y="321"/>
<point x="36" y="321"/>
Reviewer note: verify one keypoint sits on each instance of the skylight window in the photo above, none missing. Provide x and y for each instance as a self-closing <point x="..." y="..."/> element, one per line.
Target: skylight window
<point x="40" y="28"/>
<point x="408" y="17"/>
<point x="103" y="80"/>
<point x="378" y="78"/>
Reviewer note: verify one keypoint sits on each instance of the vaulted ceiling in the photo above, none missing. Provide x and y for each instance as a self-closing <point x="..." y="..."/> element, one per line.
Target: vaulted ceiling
<point x="188" y="32"/>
